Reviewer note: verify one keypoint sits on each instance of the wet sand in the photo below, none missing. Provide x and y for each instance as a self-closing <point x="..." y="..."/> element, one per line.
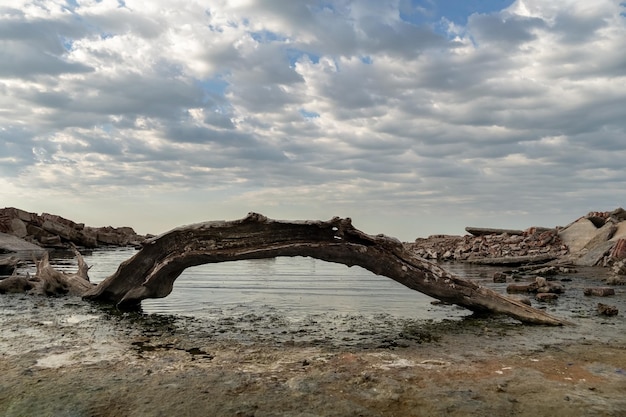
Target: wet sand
<point x="65" y="357"/>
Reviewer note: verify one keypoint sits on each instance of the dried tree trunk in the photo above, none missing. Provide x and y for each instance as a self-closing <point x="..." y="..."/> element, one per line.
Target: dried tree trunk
<point x="152" y="271"/>
<point x="48" y="281"/>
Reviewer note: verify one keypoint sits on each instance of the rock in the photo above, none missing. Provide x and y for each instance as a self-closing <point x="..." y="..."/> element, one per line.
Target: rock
<point x="619" y="267"/>
<point x="578" y="234"/>
<point x="51" y="241"/>
<point x="9" y="243"/>
<point x="599" y="291"/>
<point x="533" y="245"/>
<point x="499" y="277"/>
<point x="18" y="228"/>
<point x="620" y="232"/>
<point x="593" y="253"/>
<point x="616" y="280"/>
<point x="618" y="251"/>
<point x="607" y="310"/>
<point x="546" y="296"/>
<point x="16" y="285"/>
<point x="541" y="285"/>
<point x="51" y="230"/>
<point x="618" y="214"/>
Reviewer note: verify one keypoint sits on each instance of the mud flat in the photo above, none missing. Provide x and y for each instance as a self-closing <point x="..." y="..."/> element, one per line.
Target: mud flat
<point x="65" y="357"/>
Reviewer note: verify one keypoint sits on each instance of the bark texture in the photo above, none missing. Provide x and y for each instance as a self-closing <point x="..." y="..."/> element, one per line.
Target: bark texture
<point x="152" y="271"/>
<point x="50" y="282"/>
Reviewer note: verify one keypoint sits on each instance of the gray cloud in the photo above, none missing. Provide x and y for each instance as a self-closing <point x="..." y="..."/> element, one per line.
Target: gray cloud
<point x="314" y="107"/>
<point x="506" y="31"/>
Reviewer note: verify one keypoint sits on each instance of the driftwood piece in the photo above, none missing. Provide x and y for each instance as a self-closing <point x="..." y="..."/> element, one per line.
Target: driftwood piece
<point x="8" y="265"/>
<point x="513" y="260"/>
<point x="50" y="282"/>
<point x="482" y="231"/>
<point x="152" y="271"/>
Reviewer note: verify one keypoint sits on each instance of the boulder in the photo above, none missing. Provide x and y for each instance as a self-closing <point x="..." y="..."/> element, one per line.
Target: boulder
<point x="18" y="228"/>
<point x="593" y="255"/>
<point x="588" y="245"/>
<point x="10" y="243"/>
<point x="620" y="231"/>
<point x="618" y="214"/>
<point x="8" y="265"/>
<point x="578" y="234"/>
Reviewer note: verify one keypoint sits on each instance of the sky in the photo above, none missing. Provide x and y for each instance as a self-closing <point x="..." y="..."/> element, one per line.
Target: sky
<point x="412" y="117"/>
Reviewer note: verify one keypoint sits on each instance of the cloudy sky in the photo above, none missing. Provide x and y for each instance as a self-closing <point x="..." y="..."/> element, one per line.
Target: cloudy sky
<point x="413" y="117"/>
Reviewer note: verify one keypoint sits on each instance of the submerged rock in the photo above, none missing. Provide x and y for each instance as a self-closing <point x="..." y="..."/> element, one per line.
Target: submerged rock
<point x="607" y="310"/>
<point x="599" y="291"/>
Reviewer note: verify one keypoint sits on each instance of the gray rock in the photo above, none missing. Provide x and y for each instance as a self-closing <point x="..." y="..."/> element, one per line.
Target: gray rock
<point x="594" y="254"/>
<point x="607" y="310"/>
<point x="578" y="234"/>
<point x="9" y="243"/>
<point x="599" y="291"/>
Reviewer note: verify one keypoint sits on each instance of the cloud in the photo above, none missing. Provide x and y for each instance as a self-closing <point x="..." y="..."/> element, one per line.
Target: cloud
<point x="320" y="108"/>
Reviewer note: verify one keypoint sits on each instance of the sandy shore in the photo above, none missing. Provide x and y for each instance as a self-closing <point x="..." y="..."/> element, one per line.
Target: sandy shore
<point x="64" y="357"/>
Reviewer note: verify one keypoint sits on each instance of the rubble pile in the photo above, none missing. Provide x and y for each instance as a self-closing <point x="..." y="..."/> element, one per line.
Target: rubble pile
<point x="533" y="243"/>
<point x="597" y="239"/>
<point x="52" y="231"/>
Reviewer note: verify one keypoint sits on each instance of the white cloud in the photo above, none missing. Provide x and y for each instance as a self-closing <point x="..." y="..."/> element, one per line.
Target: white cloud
<point x="319" y="108"/>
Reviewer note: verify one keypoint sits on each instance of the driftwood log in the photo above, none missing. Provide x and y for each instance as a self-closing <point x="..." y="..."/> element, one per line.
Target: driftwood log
<point x="48" y="281"/>
<point x="152" y="271"/>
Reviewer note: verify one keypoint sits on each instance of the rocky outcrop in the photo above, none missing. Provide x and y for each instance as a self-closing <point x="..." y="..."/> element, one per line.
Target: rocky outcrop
<point x="597" y="239"/>
<point x="52" y="231"/>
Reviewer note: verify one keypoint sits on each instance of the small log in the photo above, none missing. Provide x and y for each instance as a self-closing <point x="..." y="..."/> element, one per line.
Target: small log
<point x="482" y="231"/>
<point x="152" y="271"/>
<point x="8" y="265"/>
<point x="513" y="260"/>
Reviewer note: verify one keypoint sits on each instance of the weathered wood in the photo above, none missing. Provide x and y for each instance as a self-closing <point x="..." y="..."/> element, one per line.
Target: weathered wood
<point x="152" y="271"/>
<point x="482" y="231"/>
<point x="8" y="265"/>
<point x="48" y="281"/>
<point x="513" y="260"/>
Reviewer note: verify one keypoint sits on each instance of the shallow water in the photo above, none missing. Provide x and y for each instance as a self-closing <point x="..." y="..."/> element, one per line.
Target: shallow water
<point x="286" y="295"/>
<point x="297" y="287"/>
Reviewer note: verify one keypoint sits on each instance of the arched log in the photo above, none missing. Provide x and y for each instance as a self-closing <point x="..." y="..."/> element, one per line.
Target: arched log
<point x="152" y="271"/>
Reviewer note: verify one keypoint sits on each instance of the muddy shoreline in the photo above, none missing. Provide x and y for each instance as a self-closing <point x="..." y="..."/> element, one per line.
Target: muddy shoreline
<point x="65" y="357"/>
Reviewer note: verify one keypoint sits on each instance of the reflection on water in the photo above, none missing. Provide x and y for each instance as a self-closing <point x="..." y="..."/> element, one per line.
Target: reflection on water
<point x="296" y="287"/>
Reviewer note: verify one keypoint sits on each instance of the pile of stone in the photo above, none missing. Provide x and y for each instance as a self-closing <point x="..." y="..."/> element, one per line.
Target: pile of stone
<point x="597" y="239"/>
<point x="52" y="231"/>
<point x="493" y="246"/>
